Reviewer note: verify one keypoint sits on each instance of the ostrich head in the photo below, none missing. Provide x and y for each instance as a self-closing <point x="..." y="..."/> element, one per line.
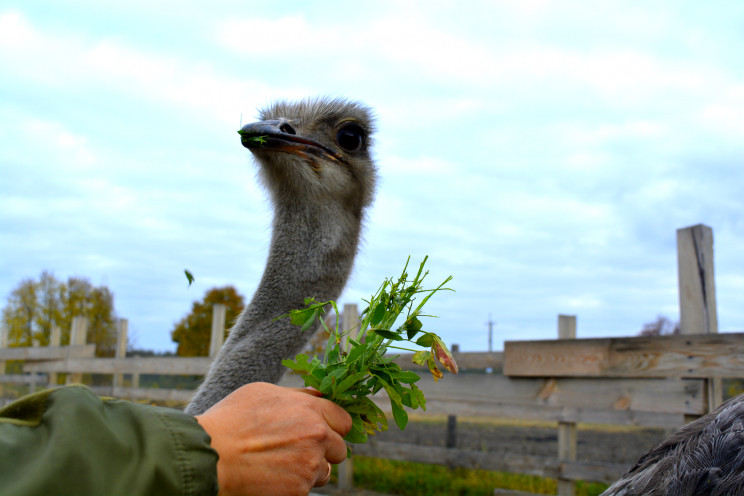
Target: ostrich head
<point x="314" y="150"/>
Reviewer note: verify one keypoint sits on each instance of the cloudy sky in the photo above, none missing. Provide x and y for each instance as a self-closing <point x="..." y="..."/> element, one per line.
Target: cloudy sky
<point x="543" y="153"/>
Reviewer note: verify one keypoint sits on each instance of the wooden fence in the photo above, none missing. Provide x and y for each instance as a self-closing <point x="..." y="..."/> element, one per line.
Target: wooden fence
<point x="644" y="381"/>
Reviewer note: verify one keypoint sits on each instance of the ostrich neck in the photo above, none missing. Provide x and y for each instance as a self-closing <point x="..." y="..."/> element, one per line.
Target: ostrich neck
<point x="311" y="255"/>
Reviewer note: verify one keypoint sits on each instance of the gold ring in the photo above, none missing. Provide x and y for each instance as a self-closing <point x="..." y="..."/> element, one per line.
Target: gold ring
<point x="325" y="479"/>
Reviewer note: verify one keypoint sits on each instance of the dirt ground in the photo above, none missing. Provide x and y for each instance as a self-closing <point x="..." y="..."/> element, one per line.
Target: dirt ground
<point x="610" y="446"/>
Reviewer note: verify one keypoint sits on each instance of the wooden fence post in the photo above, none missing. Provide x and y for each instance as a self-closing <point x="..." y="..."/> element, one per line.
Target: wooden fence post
<point x="349" y="320"/>
<point x="122" y="329"/>
<point x="697" y="293"/>
<point x="78" y="336"/>
<point x="566" y="430"/>
<point x="54" y="340"/>
<point x="451" y="440"/>
<point x="217" y="337"/>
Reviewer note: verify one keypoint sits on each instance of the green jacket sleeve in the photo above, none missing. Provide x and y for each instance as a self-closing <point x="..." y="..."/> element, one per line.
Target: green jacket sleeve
<point x="70" y="441"/>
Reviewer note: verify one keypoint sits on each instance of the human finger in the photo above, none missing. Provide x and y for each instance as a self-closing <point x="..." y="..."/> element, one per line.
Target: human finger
<point x="335" y="448"/>
<point x="335" y="416"/>
<point x="310" y="390"/>
<point x="325" y="478"/>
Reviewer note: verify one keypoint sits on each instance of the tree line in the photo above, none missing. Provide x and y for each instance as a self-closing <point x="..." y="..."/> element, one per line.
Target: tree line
<point x="34" y="306"/>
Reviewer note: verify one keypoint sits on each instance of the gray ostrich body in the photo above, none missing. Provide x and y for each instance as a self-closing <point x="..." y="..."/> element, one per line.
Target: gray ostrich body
<point x="703" y="458"/>
<point x="315" y="161"/>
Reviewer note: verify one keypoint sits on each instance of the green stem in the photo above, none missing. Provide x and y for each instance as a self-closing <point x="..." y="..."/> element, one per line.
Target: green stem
<point x="401" y="348"/>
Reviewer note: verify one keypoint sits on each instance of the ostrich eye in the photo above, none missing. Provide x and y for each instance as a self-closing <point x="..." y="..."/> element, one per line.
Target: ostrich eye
<point x="350" y="138"/>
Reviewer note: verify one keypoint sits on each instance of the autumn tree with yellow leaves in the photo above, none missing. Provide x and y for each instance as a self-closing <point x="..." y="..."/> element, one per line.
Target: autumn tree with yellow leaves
<point x="34" y="306"/>
<point x="193" y="332"/>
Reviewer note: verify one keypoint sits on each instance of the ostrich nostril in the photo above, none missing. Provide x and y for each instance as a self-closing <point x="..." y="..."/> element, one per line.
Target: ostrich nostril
<point x="286" y="128"/>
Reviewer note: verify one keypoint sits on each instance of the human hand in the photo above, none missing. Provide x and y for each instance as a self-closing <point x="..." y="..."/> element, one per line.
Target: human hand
<point x="275" y="441"/>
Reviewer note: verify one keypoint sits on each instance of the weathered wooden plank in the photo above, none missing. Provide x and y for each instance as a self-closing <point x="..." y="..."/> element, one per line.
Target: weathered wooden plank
<point x="478" y="360"/>
<point x="140" y="365"/>
<point x="694" y="356"/>
<point x="19" y="379"/>
<point x="567" y="431"/>
<point x="597" y="472"/>
<point x="697" y="292"/>
<point x="48" y="352"/>
<point x="156" y="394"/>
<point x="217" y="335"/>
<point x="697" y="288"/>
<point x="649" y="402"/>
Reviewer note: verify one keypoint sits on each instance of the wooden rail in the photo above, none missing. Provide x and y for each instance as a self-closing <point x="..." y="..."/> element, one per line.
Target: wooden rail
<point x="140" y="365"/>
<point x="694" y="356"/>
<point x="31" y="354"/>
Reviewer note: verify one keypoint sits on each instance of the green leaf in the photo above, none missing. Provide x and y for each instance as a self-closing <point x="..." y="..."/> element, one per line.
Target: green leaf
<point x="387" y="334"/>
<point x="300" y="317"/>
<point x="355" y="353"/>
<point x="357" y="434"/>
<point x="311" y="381"/>
<point x="300" y="363"/>
<point x="332" y="378"/>
<point x="419" y="396"/>
<point x="412" y="327"/>
<point x="189" y="276"/>
<point x="310" y="320"/>
<point x="421" y="357"/>
<point x="400" y="415"/>
<point x="392" y="392"/>
<point x="426" y="340"/>
<point x="350" y="381"/>
<point x="378" y="313"/>
<point x="407" y="377"/>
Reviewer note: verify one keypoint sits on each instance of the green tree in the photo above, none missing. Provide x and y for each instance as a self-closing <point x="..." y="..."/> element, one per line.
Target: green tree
<point x="192" y="333"/>
<point x="33" y="307"/>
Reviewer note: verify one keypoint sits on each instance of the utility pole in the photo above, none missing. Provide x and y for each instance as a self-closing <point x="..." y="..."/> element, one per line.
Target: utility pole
<point x="490" y="333"/>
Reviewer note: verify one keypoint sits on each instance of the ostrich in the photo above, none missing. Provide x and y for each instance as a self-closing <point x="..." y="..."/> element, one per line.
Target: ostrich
<point x="705" y="457"/>
<point x="314" y="159"/>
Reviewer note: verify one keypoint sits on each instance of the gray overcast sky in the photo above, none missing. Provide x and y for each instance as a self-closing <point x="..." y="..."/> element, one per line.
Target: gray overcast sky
<point x="543" y="153"/>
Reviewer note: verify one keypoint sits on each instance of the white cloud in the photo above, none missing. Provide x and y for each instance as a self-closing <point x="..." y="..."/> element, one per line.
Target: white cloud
<point x="543" y="153"/>
<point x="75" y="62"/>
<point x="15" y="30"/>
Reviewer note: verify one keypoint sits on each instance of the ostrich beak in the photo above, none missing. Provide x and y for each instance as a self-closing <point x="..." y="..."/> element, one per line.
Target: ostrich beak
<point x="276" y="135"/>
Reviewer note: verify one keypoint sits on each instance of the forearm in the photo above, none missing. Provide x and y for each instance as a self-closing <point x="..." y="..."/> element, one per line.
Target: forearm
<point x="71" y="440"/>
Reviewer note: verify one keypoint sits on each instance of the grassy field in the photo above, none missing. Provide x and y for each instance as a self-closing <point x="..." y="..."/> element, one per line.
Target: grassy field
<point x="418" y="479"/>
